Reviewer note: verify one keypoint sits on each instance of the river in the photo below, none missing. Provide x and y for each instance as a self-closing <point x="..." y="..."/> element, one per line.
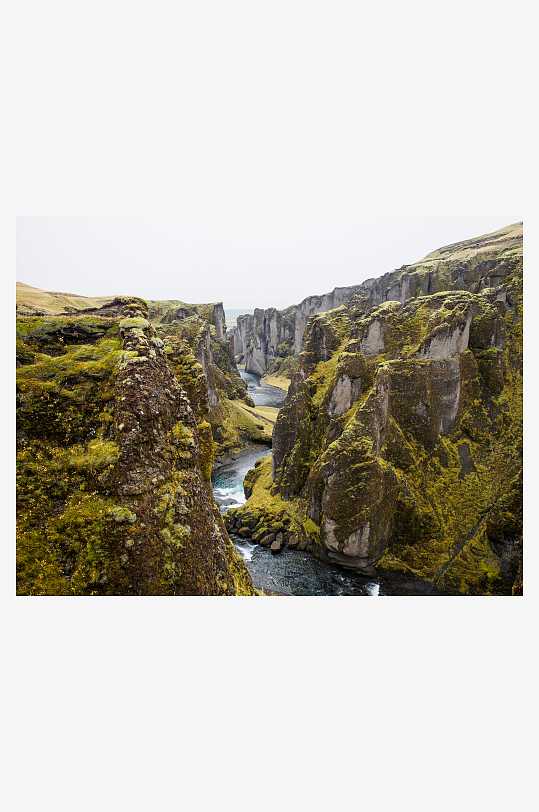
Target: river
<point x="262" y="393"/>
<point x="290" y="572"/>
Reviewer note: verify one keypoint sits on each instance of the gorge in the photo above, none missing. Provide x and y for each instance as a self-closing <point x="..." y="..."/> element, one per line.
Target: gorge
<point x="394" y="465"/>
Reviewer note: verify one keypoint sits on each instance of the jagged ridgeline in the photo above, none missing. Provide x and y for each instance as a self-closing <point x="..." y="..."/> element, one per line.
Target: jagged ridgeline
<point x="115" y="448"/>
<point x="399" y="446"/>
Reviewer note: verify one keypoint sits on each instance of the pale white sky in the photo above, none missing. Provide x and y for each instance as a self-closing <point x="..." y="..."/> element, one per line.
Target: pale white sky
<point x="246" y="262"/>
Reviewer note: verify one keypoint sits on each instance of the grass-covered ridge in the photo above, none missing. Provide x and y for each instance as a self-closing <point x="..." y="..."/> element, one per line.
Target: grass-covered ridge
<point x="31" y="299"/>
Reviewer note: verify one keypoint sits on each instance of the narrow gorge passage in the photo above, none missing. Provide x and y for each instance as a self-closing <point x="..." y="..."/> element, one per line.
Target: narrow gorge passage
<point x="392" y="465"/>
<point x="291" y="572"/>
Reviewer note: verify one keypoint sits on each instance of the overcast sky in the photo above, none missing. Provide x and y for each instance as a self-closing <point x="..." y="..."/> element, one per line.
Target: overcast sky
<point x="245" y="262"/>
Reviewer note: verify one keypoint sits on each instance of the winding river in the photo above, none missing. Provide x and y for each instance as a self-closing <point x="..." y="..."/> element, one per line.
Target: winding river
<point x="290" y="572"/>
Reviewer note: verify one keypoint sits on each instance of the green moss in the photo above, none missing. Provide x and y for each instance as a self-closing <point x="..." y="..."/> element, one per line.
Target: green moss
<point x="71" y="553"/>
<point x="273" y="512"/>
<point x="234" y="427"/>
<point x="184" y="435"/>
<point x="122" y="514"/>
<point x="137" y="323"/>
<point x="206" y="449"/>
<point x="78" y="533"/>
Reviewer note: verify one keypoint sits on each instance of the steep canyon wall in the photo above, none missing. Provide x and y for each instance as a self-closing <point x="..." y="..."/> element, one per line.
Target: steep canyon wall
<point x="399" y="447"/>
<point x="114" y="455"/>
<point x="262" y="340"/>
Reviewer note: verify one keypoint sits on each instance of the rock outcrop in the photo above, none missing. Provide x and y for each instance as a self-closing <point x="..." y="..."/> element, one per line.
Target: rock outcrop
<point x="263" y="337"/>
<point x="172" y="312"/>
<point x="114" y="454"/>
<point x="399" y="446"/>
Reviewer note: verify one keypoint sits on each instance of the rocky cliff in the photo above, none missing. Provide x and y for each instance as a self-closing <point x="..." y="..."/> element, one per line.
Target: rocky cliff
<point x="203" y="329"/>
<point x="399" y="447"/>
<point x="263" y="337"/>
<point x="262" y="340"/>
<point x="114" y="454"/>
<point x="173" y="311"/>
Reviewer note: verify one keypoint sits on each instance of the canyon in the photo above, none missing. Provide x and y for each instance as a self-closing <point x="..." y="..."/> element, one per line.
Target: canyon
<point x="264" y="339"/>
<point x="398" y="450"/>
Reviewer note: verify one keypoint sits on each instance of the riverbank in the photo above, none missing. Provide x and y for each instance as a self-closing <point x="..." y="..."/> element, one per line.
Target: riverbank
<point x="266" y="414"/>
<point x="276" y="380"/>
<point x="250" y="452"/>
<point x="290" y="572"/>
<point x="297" y="572"/>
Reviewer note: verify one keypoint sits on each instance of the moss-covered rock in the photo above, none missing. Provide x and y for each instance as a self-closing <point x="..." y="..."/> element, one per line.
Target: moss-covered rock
<point x="113" y="464"/>
<point x="399" y="446"/>
<point x="203" y="360"/>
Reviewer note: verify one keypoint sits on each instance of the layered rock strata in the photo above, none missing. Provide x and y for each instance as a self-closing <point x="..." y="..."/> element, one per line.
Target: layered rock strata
<point x="114" y="454"/>
<point x="399" y="447"/>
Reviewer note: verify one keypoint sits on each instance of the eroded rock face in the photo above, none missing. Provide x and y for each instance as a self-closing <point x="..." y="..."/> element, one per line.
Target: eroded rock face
<point x="373" y="341"/>
<point x="399" y="446"/>
<point x="449" y="340"/>
<point x="172" y="312"/>
<point x="473" y="266"/>
<point x="261" y="338"/>
<point x="347" y="390"/>
<point x="354" y="552"/>
<point x="114" y="462"/>
<point x="313" y="305"/>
